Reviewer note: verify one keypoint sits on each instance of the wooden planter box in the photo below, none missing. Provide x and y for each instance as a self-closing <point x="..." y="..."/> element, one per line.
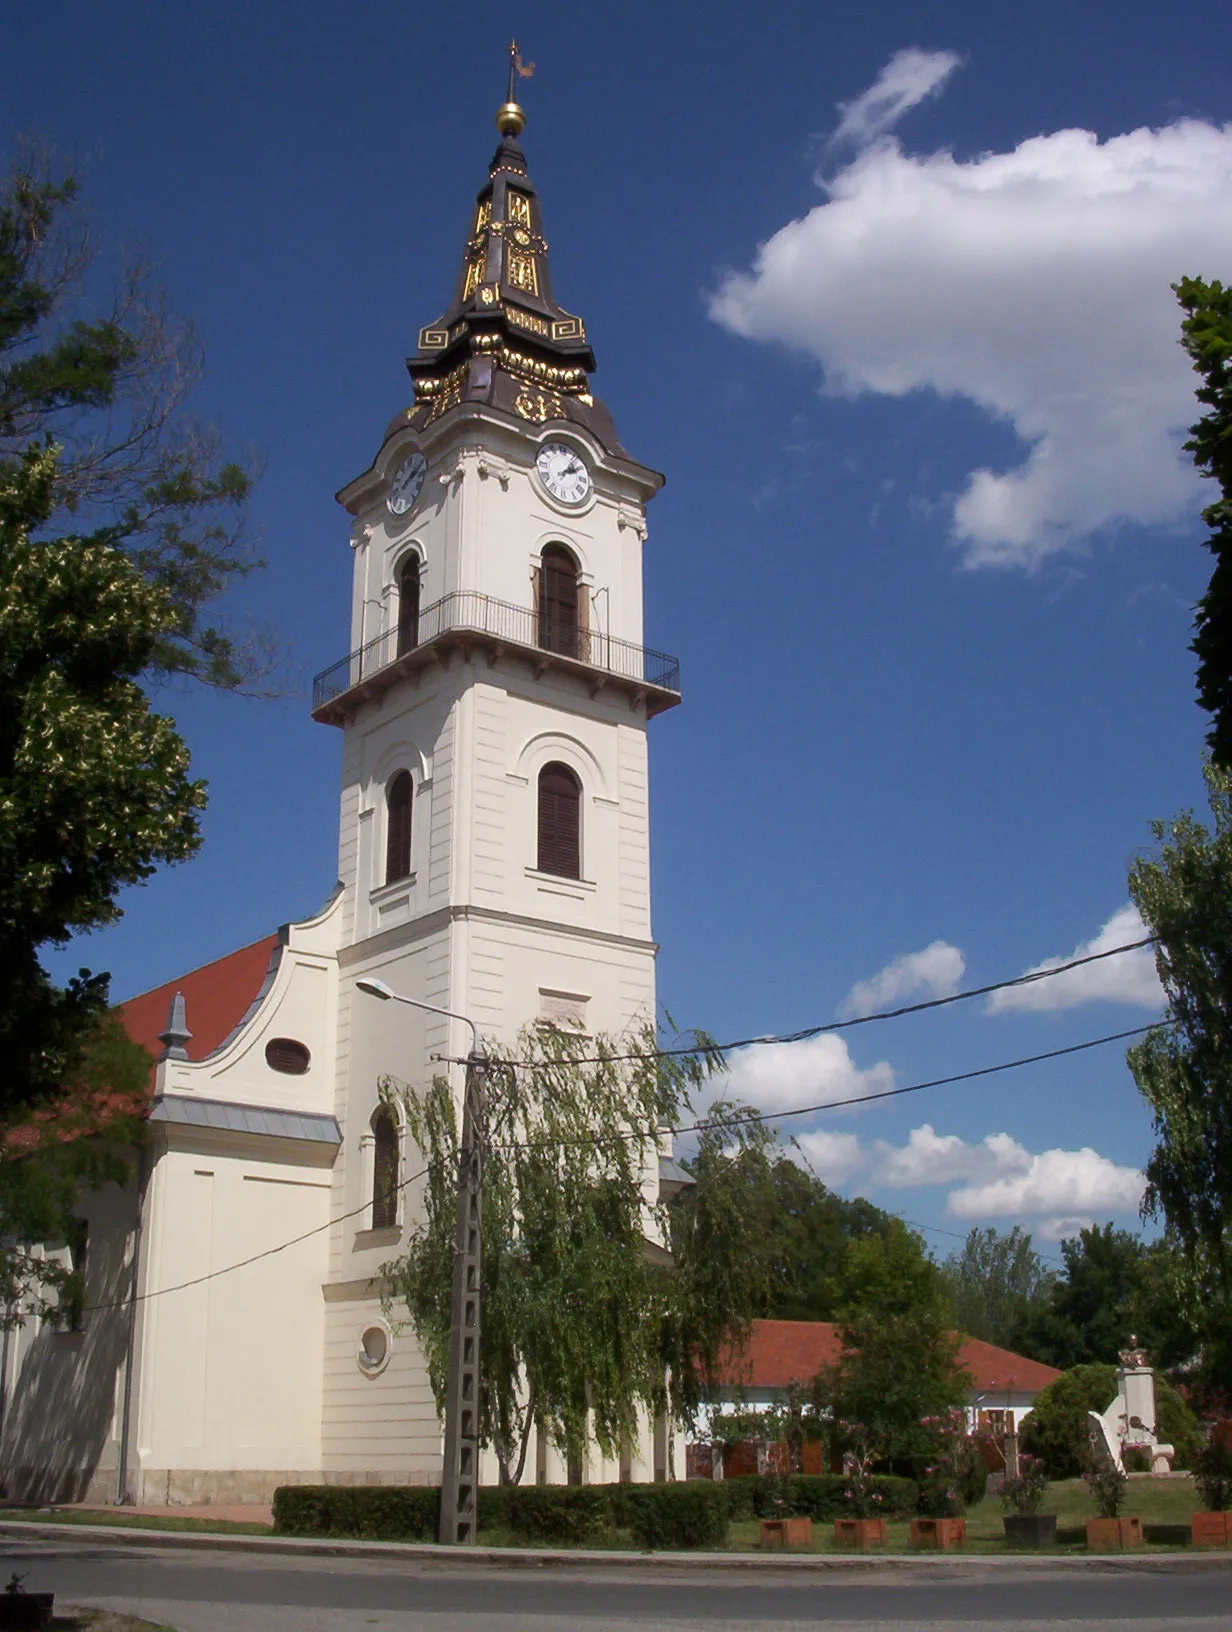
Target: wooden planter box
<point x="1030" y="1529"/>
<point x="1211" y="1529"/>
<point x="787" y="1532"/>
<point x="940" y="1533"/>
<point x="860" y="1533"/>
<point x="25" y="1609"/>
<point x="1106" y="1535"/>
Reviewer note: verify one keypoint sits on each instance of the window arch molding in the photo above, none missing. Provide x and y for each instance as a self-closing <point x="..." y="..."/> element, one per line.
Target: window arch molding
<point x="564" y="540"/>
<point x="397" y="756"/>
<point x="547" y="746"/>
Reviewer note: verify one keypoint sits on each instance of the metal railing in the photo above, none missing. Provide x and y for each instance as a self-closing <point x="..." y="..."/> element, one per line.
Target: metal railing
<point x="464" y="612"/>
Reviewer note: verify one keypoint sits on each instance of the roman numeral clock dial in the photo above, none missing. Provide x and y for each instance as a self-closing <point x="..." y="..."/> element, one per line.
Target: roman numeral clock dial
<point x="563" y="472"/>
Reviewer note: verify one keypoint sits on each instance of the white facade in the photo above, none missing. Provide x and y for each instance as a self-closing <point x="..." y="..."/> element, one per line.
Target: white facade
<point x="228" y="1384"/>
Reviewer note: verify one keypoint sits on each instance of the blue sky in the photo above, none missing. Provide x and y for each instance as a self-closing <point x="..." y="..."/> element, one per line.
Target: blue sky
<point x="899" y="334"/>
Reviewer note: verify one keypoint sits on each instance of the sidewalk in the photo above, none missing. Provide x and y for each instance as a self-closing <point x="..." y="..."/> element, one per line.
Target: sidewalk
<point x="517" y="1558"/>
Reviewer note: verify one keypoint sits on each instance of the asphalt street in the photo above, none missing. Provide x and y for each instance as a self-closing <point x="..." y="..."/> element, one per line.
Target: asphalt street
<point x="241" y="1592"/>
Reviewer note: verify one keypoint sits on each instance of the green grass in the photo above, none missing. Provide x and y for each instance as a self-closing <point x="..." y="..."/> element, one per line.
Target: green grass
<point x="1163" y="1505"/>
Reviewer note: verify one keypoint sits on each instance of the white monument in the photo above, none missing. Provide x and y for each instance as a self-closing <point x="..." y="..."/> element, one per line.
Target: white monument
<point x="1129" y="1423"/>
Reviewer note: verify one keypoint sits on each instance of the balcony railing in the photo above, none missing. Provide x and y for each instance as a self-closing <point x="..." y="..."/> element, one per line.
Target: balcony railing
<point x="465" y="612"/>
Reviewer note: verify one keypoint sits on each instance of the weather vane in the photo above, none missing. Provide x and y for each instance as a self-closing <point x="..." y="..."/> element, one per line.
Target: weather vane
<point x="510" y="119"/>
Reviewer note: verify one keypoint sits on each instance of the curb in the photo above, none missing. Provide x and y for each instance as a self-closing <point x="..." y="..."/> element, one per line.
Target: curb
<point x="580" y="1558"/>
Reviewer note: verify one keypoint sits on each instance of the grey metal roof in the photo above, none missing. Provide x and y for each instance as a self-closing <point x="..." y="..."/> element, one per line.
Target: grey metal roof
<point x="672" y="1175"/>
<point x="309" y="1126"/>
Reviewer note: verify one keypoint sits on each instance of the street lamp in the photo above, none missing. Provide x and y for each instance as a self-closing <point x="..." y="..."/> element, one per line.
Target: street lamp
<point x="460" y="1473"/>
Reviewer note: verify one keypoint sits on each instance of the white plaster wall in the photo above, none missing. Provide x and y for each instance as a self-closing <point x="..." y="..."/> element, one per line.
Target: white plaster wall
<point x="230" y="1374"/>
<point x="379" y="1428"/>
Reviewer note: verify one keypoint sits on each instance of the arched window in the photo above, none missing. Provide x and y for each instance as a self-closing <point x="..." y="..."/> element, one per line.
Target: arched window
<point x="560" y="822"/>
<point x="385" y="1173"/>
<point x="408" y="605"/>
<point x="398" y="797"/>
<point x="558" y="601"/>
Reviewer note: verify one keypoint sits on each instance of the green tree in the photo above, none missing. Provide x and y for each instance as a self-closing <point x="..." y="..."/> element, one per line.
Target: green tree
<point x="106" y="374"/>
<point x="994" y="1282"/>
<point x="899" y="1362"/>
<point x="1184" y="1067"/>
<point x="1206" y="334"/>
<point x="1090" y="1313"/>
<point x="587" y="1319"/>
<point x="1056" y="1428"/>
<point x="806" y="1228"/>
<point x="94" y="786"/>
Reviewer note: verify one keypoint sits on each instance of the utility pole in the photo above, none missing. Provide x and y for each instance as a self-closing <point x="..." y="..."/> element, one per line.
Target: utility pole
<point x="460" y="1474"/>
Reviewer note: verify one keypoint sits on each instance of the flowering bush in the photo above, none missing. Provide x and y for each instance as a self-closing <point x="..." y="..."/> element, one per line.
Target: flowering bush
<point x="1212" y="1471"/>
<point x="941" y="1488"/>
<point x="1103" y="1479"/>
<point x="860" y="1452"/>
<point x="1023" y="1492"/>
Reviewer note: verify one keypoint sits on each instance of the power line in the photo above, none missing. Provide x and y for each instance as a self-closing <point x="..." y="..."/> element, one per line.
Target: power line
<point x="862" y="1019"/>
<point x="744" y="1120"/>
<point x="270" y="1252"/>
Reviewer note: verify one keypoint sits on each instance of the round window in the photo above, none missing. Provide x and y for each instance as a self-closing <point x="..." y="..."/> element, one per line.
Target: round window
<point x="374" y="1350"/>
<point x="286" y="1055"/>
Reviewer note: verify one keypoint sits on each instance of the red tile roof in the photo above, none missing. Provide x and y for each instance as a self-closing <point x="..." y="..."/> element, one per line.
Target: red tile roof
<point x="216" y="999"/>
<point x="780" y="1352"/>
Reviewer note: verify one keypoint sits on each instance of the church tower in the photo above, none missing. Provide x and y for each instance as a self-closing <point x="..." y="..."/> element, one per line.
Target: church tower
<point x="494" y="833"/>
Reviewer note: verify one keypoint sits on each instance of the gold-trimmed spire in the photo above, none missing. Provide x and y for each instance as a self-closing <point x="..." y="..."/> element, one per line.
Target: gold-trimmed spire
<point x="511" y="119"/>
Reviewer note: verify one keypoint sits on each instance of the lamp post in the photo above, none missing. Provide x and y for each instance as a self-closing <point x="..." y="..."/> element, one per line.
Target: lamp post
<point x="460" y="1473"/>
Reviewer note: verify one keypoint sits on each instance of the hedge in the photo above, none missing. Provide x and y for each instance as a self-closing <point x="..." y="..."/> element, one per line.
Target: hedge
<point x="823" y="1496"/>
<point x="692" y="1514"/>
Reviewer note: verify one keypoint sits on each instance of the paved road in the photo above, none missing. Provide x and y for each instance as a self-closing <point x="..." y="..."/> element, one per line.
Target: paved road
<point x="237" y="1592"/>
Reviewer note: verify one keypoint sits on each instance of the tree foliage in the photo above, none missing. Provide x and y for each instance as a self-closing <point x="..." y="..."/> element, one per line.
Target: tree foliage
<point x="586" y="1318"/>
<point x="899" y="1362"/>
<point x="1206" y="334"/>
<point x="1184" y="1068"/>
<point x="94" y="786"/>
<point x="994" y="1282"/>
<point x="1092" y="1306"/>
<point x="106" y="374"/>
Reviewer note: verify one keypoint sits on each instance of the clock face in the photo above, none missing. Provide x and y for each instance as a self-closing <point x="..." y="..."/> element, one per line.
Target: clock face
<point x="563" y="473"/>
<point x="408" y="479"/>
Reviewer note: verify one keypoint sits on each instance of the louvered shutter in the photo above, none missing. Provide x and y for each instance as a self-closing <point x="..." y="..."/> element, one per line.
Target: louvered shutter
<point x="558" y="602"/>
<point x="384" y="1173"/>
<point x="408" y="606"/>
<point x="560" y="822"/>
<point x="398" y="835"/>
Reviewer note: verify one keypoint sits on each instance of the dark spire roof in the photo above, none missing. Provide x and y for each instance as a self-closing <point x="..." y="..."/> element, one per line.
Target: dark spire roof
<point x="504" y="339"/>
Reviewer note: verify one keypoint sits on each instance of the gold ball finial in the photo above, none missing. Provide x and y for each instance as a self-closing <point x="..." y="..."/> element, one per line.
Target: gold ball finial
<point x="510" y="119"/>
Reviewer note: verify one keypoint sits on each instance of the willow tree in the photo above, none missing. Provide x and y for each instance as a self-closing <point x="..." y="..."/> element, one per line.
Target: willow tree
<point x="589" y="1319"/>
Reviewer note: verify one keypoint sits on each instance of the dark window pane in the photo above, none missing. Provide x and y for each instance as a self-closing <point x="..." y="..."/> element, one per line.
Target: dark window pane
<point x="398" y="838"/>
<point x="408" y="605"/>
<point x="384" y="1172"/>
<point x="558" y="601"/>
<point x="560" y="822"/>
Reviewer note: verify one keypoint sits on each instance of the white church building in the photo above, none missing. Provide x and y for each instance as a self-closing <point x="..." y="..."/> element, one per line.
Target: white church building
<point x="493" y="860"/>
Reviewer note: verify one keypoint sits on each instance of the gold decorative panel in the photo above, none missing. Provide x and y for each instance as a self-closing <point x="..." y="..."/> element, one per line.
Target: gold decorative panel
<point x="519" y="209"/>
<point x="520" y="271"/>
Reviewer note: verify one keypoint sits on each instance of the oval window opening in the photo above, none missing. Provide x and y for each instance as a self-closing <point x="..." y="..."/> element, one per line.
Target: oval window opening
<point x="286" y="1055"/>
<point x="373" y="1348"/>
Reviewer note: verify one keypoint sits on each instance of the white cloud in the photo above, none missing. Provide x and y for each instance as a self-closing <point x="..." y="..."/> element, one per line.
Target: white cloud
<point x="1053" y="1180"/>
<point x="929" y="1157"/>
<point x="1057" y="1229"/>
<point x="907" y="79"/>
<point x="782" y="1076"/>
<point x="934" y="972"/>
<point x="834" y="1157"/>
<point x="1128" y="978"/>
<point x="1034" y="283"/>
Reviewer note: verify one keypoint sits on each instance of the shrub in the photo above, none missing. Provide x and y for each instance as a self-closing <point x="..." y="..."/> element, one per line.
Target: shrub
<point x="567" y="1514"/>
<point x="1212" y="1470"/>
<point x="1056" y="1429"/>
<point x="1023" y="1492"/>
<point x="741" y="1496"/>
<point x="1103" y="1479"/>
<point x="366" y="1512"/>
<point x="1176" y="1424"/>
<point x="693" y="1514"/>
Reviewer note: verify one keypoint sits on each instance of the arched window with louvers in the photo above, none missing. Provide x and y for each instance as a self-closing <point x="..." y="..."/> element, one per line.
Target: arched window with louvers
<point x="386" y="1174"/>
<point x="562" y="603"/>
<point x="399" y="797"/>
<point x="560" y="822"/>
<point x="408" y="605"/>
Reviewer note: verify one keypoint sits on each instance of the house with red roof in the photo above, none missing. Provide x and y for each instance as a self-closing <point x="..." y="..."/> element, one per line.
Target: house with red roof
<point x="780" y="1353"/>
